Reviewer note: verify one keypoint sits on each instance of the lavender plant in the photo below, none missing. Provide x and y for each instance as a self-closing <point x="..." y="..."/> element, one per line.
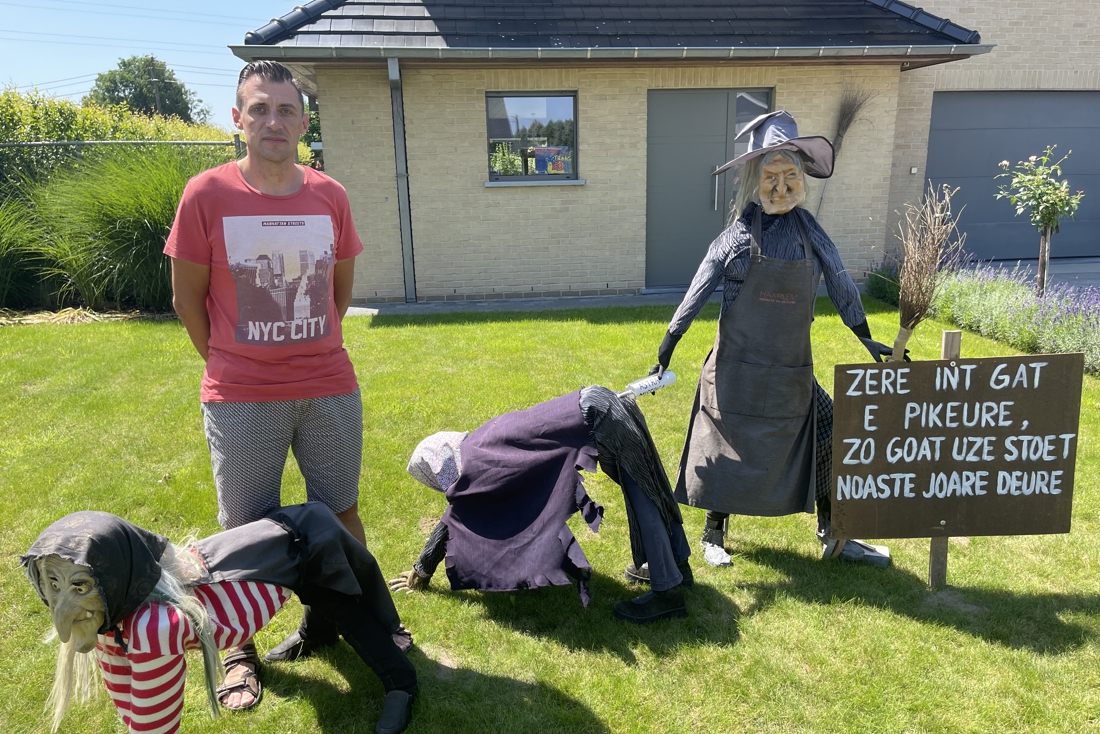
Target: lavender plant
<point x="1001" y="304"/>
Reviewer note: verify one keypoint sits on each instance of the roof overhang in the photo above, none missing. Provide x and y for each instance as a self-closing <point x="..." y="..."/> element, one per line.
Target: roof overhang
<point x="908" y="57"/>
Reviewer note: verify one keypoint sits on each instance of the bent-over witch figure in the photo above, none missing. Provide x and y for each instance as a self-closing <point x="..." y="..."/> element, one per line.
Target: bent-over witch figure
<point x="512" y="484"/>
<point x="759" y="438"/>
<point x="139" y="602"/>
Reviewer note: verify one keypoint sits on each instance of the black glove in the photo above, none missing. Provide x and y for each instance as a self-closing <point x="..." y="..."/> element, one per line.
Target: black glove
<point x="878" y="350"/>
<point x="664" y="354"/>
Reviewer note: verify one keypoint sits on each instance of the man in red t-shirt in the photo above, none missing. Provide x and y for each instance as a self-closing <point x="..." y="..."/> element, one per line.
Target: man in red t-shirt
<point x="263" y="254"/>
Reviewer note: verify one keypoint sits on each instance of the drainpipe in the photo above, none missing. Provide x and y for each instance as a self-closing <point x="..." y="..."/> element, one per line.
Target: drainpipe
<point x="402" y="162"/>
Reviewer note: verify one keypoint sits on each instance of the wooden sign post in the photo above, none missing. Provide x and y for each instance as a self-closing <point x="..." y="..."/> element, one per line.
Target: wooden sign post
<point x="950" y="348"/>
<point x="955" y="447"/>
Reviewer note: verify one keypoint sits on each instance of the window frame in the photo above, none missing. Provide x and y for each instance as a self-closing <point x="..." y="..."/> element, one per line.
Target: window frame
<point x="544" y="179"/>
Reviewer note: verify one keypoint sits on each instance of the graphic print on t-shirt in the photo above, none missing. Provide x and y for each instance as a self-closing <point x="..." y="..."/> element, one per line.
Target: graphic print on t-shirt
<point x="282" y="267"/>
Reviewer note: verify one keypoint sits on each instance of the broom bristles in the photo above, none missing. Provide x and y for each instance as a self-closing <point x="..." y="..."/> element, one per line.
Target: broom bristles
<point x="930" y="243"/>
<point x="852" y="102"/>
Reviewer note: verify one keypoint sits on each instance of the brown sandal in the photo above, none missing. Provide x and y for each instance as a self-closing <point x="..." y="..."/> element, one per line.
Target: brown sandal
<point x="247" y="658"/>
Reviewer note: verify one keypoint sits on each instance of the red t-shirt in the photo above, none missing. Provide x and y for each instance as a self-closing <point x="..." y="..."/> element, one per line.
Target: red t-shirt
<point x="274" y="328"/>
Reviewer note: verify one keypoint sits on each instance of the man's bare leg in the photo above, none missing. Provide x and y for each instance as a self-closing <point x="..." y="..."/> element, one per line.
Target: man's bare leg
<point x="351" y="521"/>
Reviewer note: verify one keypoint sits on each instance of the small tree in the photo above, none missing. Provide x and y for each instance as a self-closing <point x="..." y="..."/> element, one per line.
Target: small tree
<point x="1035" y="184"/>
<point x="148" y="86"/>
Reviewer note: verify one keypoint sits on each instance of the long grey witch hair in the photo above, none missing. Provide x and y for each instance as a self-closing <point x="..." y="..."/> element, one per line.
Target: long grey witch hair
<point x="76" y="672"/>
<point x="749" y="190"/>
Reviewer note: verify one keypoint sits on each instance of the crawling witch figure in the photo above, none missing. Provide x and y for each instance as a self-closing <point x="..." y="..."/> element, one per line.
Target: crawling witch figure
<point x="513" y="483"/>
<point x="759" y="439"/>
<point x="139" y="602"/>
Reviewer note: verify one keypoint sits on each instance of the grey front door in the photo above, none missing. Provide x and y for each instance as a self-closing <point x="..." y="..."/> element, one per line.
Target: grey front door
<point x="971" y="132"/>
<point x="691" y="132"/>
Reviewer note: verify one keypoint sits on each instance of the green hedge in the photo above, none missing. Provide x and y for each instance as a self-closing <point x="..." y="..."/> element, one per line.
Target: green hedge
<point x="87" y="229"/>
<point x="34" y="116"/>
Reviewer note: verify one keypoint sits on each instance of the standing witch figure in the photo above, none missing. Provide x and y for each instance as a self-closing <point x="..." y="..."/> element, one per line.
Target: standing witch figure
<point x="759" y="438"/>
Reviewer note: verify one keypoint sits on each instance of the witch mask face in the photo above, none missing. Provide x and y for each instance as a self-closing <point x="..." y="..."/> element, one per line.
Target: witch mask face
<point x="782" y="185"/>
<point x="75" y="603"/>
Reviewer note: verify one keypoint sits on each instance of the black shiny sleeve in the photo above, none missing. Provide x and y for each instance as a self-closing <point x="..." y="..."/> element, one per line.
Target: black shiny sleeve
<point x="435" y="550"/>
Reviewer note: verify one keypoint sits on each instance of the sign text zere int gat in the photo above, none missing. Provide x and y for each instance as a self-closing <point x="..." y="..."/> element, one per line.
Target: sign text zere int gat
<point x="955" y="447"/>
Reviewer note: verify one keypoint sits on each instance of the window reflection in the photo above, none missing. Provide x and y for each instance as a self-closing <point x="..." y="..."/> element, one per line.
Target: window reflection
<point x="531" y="136"/>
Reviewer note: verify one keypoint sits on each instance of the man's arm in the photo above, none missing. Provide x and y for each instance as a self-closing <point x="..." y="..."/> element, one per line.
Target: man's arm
<point x="343" y="277"/>
<point x="190" y="286"/>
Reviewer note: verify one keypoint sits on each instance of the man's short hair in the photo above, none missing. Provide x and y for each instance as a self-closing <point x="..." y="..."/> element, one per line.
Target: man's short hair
<point x="269" y="71"/>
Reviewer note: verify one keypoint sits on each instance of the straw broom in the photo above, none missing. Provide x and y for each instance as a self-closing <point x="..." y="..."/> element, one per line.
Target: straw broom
<point x="930" y="243"/>
<point x="852" y="102"/>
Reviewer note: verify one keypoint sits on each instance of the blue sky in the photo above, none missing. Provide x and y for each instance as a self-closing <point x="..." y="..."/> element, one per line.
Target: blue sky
<point x="60" y="45"/>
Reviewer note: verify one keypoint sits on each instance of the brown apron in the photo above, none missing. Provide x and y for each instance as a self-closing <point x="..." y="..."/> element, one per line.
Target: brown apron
<point x="750" y="442"/>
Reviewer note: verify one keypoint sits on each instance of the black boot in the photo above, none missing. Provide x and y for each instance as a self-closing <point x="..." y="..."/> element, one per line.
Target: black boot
<point x="314" y="633"/>
<point x="640" y="574"/>
<point x="651" y="606"/>
<point x="396" y="712"/>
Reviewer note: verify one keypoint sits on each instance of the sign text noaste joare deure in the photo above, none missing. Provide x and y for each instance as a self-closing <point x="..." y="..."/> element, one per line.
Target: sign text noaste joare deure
<point x="955" y="447"/>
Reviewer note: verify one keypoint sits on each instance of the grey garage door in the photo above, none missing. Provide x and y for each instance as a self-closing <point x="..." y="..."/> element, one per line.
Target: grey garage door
<point x="690" y="133"/>
<point x="971" y="132"/>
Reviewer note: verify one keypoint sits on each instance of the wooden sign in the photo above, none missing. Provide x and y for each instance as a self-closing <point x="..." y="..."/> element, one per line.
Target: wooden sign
<point x="955" y="447"/>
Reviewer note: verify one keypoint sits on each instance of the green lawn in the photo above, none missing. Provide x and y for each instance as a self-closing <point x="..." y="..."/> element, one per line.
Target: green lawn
<point x="106" y="416"/>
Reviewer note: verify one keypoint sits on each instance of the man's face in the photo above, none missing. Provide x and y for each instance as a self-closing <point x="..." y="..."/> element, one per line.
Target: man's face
<point x="76" y="606"/>
<point x="782" y="186"/>
<point x="271" y="118"/>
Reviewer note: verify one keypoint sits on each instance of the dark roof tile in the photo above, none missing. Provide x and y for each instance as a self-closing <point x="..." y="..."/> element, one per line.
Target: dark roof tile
<point x="603" y="23"/>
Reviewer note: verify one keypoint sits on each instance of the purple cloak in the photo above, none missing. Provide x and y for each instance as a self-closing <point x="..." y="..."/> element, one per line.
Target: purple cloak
<point x="518" y="487"/>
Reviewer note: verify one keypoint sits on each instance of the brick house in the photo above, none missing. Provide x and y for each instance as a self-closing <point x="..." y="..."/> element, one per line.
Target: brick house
<point x="1040" y="86"/>
<point x="564" y="147"/>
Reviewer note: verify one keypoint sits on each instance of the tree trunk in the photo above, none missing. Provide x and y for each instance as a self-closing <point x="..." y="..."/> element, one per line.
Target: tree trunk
<point x="1044" y="261"/>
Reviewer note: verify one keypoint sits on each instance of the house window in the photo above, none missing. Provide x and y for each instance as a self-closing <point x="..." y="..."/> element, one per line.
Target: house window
<point x="532" y="136"/>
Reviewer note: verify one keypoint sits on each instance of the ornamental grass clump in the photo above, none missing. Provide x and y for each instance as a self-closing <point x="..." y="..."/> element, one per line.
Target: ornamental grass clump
<point x="930" y="245"/>
<point x="18" y="235"/>
<point x="105" y="223"/>
<point x="882" y="282"/>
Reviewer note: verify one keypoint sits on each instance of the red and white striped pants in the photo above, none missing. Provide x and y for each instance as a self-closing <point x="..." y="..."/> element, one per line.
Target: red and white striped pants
<point x="146" y="680"/>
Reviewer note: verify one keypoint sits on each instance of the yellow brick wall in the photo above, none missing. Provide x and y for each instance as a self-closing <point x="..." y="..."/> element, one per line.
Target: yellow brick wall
<point x="854" y="210"/>
<point x="471" y="241"/>
<point x="476" y="241"/>
<point x="357" y="125"/>
<point x="1040" y="46"/>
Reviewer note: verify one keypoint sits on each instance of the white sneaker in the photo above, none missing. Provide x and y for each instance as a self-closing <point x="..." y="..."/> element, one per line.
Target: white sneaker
<point x="715" y="555"/>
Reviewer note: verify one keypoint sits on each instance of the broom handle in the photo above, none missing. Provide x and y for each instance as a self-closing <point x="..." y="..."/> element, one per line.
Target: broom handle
<point x="899" y="344"/>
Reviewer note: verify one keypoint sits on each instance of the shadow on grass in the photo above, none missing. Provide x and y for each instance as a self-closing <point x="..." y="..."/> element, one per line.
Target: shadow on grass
<point x="657" y="313"/>
<point x="450" y="699"/>
<point x="1035" y="622"/>
<point x="602" y="315"/>
<point x="556" y="613"/>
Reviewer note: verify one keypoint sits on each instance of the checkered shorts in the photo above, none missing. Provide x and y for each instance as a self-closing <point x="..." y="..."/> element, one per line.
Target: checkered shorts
<point x="249" y="443"/>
